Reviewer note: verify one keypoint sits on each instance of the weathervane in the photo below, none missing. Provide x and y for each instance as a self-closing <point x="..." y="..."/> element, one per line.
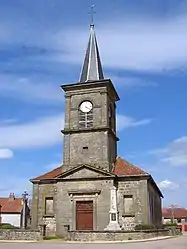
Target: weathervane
<point x="92" y="12"/>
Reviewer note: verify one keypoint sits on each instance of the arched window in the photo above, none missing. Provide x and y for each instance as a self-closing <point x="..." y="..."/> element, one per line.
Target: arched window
<point x="86" y="115"/>
<point x="85" y="119"/>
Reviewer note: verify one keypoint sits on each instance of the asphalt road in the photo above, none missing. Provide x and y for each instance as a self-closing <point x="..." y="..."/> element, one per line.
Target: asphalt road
<point x="174" y="243"/>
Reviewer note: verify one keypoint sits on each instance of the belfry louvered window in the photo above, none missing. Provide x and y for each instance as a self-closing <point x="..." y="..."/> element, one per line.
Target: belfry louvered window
<point x="85" y="119"/>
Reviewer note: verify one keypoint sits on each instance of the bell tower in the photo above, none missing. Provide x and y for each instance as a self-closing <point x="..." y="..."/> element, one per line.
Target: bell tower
<point x="90" y="115"/>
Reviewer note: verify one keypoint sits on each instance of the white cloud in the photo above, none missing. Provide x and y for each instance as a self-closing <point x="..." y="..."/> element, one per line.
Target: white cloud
<point x="8" y="121"/>
<point x="124" y="122"/>
<point x="140" y="45"/>
<point x="39" y="133"/>
<point x="16" y="185"/>
<point x="176" y="160"/>
<point x="174" y="154"/>
<point x="30" y="90"/>
<point x="46" y="131"/>
<point x="168" y="185"/>
<point x="52" y="166"/>
<point x="6" y="153"/>
<point x="131" y="82"/>
<point x="27" y="90"/>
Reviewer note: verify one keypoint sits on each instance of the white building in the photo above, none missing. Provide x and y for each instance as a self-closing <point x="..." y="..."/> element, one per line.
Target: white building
<point x="11" y="210"/>
<point x="174" y="214"/>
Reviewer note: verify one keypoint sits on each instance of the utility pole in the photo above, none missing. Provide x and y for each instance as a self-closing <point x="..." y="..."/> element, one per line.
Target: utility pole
<point x="172" y="213"/>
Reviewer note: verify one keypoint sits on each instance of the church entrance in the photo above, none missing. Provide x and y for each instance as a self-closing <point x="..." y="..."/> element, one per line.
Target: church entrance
<point x="84" y="215"/>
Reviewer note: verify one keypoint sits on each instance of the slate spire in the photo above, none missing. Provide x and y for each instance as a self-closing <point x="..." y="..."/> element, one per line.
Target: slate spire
<point x="92" y="68"/>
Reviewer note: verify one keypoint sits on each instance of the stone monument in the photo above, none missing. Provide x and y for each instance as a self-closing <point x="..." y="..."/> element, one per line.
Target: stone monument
<point x="113" y="213"/>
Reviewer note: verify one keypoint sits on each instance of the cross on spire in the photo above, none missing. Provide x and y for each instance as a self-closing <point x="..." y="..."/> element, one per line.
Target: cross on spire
<point x="92" y="68"/>
<point x="92" y="12"/>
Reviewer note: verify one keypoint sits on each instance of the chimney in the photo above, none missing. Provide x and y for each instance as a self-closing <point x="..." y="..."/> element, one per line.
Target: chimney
<point x="11" y="197"/>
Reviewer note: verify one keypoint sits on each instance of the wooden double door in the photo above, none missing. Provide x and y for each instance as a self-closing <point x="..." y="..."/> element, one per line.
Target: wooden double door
<point x="84" y="215"/>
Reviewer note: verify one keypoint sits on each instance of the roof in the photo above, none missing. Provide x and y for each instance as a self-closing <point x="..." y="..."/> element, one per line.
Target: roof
<point x="11" y="205"/>
<point x="124" y="168"/>
<point x="92" y="68"/>
<point x="121" y="168"/>
<point x="176" y="212"/>
<point x="50" y="174"/>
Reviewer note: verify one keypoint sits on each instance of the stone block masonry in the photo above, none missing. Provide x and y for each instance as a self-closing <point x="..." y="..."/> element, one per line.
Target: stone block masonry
<point x="19" y="234"/>
<point x="116" y="235"/>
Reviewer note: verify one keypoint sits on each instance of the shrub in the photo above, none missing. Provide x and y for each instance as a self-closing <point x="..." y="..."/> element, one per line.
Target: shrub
<point x="171" y="225"/>
<point x="161" y="226"/>
<point x="7" y="226"/>
<point x="50" y="237"/>
<point x="144" y="227"/>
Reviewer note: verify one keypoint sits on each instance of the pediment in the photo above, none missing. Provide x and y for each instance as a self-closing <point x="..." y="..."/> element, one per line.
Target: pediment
<point x="85" y="171"/>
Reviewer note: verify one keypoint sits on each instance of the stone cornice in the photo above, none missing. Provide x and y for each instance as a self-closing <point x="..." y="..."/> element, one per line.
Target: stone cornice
<point x="55" y="180"/>
<point x="70" y="131"/>
<point x="92" y="84"/>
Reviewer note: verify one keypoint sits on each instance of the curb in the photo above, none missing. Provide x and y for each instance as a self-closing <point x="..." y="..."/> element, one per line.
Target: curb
<point x="119" y="241"/>
<point x="19" y="241"/>
<point x="88" y="242"/>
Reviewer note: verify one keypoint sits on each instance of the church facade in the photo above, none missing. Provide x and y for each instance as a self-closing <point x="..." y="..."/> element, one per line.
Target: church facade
<point x="93" y="189"/>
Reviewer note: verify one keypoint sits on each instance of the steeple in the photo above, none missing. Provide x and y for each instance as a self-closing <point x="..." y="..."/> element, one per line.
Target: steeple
<point x="92" y="68"/>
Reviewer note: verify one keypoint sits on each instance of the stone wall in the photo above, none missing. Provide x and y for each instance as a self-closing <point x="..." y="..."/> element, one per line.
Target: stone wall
<point x="115" y="236"/>
<point x="64" y="203"/>
<point x="155" y="206"/>
<point x="39" y="217"/>
<point x="34" y="206"/>
<point x="96" y="152"/>
<point x="101" y="148"/>
<point x="139" y="211"/>
<point x="71" y="191"/>
<point x="19" y="234"/>
<point x="49" y="224"/>
<point x="128" y="223"/>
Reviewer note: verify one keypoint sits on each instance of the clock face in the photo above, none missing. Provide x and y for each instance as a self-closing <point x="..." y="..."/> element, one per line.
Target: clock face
<point x="86" y="106"/>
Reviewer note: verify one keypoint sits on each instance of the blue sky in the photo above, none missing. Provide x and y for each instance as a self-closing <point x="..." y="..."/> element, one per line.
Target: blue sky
<point x="143" y="50"/>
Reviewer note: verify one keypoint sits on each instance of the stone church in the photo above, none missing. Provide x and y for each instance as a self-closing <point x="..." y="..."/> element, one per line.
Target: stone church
<point x="94" y="188"/>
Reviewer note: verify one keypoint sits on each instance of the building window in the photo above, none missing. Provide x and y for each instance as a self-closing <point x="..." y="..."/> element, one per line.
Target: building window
<point x="49" y="206"/>
<point x="128" y="204"/>
<point x="85" y="119"/>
